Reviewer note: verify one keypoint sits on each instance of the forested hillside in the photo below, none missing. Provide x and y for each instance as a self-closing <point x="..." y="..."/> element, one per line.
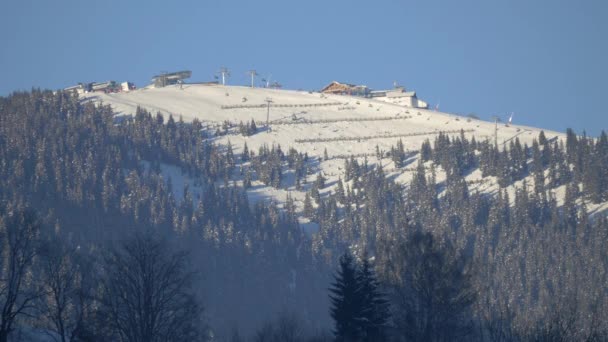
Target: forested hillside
<point x="537" y="265"/>
<point x="92" y="182"/>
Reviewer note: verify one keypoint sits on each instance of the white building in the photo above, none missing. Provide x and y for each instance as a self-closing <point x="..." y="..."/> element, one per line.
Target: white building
<point x="399" y="96"/>
<point x="406" y="98"/>
<point x="127" y="86"/>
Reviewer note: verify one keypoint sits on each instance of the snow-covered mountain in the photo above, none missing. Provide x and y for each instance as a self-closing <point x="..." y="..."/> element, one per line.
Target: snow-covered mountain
<point x="313" y="123"/>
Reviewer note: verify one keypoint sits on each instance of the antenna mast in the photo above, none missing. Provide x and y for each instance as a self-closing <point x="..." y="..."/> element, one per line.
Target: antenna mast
<point x="253" y="74"/>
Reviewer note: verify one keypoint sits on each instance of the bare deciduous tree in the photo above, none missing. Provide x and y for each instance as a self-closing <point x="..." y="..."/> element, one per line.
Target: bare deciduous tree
<point x="498" y="320"/>
<point x="19" y="231"/>
<point x="147" y="293"/>
<point x="67" y="290"/>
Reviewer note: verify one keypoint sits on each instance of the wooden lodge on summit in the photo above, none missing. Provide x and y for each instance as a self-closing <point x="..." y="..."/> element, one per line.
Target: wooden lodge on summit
<point x="338" y="88"/>
<point x="398" y="95"/>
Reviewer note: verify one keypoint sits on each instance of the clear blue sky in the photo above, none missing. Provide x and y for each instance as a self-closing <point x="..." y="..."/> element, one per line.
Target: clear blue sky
<point x="544" y="60"/>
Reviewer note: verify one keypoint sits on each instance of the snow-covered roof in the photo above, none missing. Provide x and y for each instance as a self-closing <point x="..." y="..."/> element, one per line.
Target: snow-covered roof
<point x="400" y="93"/>
<point x="339" y="84"/>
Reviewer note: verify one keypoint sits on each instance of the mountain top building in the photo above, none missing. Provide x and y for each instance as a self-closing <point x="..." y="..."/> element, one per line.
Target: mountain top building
<point x="165" y="79"/>
<point x="396" y="95"/>
<point x="338" y="88"/>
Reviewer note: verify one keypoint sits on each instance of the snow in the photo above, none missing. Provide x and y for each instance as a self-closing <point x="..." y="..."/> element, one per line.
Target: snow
<point x="339" y="121"/>
<point x="205" y="102"/>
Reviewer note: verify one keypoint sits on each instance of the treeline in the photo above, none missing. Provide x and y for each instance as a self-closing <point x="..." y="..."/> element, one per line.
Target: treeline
<point x="580" y="161"/>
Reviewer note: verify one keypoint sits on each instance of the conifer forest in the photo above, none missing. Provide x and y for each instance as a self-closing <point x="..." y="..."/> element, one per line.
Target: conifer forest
<point x="95" y="245"/>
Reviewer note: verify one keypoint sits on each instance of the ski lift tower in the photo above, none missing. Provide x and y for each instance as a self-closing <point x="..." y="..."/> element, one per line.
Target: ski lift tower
<point x="225" y="73"/>
<point x="268" y="101"/>
<point x="253" y="74"/>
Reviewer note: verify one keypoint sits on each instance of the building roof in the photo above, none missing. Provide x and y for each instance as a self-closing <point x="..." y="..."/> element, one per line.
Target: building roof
<point x="400" y="93"/>
<point x="179" y="75"/>
<point x="334" y="84"/>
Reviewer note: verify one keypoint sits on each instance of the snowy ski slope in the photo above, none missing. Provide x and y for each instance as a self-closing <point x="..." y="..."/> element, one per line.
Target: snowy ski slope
<point x="312" y="122"/>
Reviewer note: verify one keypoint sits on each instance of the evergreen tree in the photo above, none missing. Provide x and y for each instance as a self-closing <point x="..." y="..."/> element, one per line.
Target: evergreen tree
<point x="314" y="193"/>
<point x="426" y="150"/>
<point x="346" y="302"/>
<point x="376" y="313"/>
<point x="245" y="155"/>
<point x="247" y="180"/>
<point x="340" y="191"/>
<point x="252" y="128"/>
<point x="309" y="210"/>
<point x="320" y="181"/>
<point x="432" y="289"/>
<point x="298" y="182"/>
<point x="538" y="169"/>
